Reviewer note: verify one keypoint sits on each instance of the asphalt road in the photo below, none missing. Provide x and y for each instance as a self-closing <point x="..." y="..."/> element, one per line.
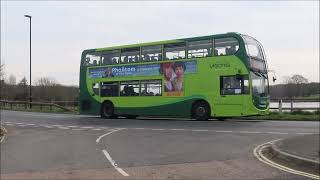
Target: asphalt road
<point x="58" y="146"/>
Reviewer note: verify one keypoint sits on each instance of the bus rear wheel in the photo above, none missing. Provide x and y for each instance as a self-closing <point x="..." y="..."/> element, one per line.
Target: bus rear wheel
<point x="131" y="116"/>
<point x="107" y="110"/>
<point x="201" y="111"/>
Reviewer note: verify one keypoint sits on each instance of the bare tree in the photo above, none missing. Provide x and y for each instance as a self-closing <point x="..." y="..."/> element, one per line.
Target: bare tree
<point x="1" y="71"/>
<point x="2" y="83"/>
<point x="22" y="90"/>
<point x="12" y="80"/>
<point x="46" y="82"/>
<point x="294" y="85"/>
<point x="298" y="79"/>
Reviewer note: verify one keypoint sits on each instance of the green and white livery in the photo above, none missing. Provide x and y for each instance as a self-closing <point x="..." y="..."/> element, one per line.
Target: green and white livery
<point x="218" y="76"/>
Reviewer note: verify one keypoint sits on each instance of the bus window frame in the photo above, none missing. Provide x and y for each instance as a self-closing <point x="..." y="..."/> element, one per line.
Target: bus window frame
<point x="161" y="51"/>
<point x="123" y="49"/>
<point x="214" y="39"/>
<point x="243" y="78"/>
<point x="124" y="81"/>
<point x="84" y="63"/>
<point x="118" y="84"/>
<point x="102" y="52"/>
<point x="187" y="50"/>
<point x="146" y="80"/>
<point x="176" y="43"/>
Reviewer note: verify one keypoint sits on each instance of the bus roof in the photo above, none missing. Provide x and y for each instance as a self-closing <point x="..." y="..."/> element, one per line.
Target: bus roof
<point x="230" y="34"/>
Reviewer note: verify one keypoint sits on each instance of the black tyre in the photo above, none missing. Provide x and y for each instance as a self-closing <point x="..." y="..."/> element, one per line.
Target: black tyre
<point x="107" y="110"/>
<point x="201" y="111"/>
<point x="221" y="119"/>
<point x="131" y="116"/>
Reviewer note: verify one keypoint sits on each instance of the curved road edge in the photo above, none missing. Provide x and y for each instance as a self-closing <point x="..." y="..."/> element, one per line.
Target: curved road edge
<point x="276" y="158"/>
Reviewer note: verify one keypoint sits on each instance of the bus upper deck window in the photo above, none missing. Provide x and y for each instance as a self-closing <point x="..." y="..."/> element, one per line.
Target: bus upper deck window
<point x="175" y="51"/>
<point x="225" y="46"/>
<point x="151" y="53"/>
<point x="130" y="55"/>
<point x="110" y="57"/>
<point x="202" y="48"/>
<point x="92" y="59"/>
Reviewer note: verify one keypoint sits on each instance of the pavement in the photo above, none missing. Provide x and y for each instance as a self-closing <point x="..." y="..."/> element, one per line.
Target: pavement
<point x="298" y="152"/>
<point x="61" y="146"/>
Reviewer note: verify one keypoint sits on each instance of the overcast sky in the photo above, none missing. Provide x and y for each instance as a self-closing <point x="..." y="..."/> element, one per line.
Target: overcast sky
<point x="289" y="31"/>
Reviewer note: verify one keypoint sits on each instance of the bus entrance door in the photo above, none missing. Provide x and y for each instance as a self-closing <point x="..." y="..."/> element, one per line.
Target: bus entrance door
<point x="230" y="101"/>
<point x="231" y="105"/>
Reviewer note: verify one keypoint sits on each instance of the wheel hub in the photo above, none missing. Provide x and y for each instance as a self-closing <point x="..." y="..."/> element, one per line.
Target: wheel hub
<point x="201" y="111"/>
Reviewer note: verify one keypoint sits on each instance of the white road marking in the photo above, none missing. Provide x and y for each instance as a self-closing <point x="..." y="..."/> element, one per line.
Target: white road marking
<point x="138" y="128"/>
<point x="87" y="127"/>
<point x="78" y="129"/>
<point x="22" y="125"/>
<point x="113" y="163"/>
<point x="48" y="126"/>
<point x="276" y="133"/>
<point x="63" y="128"/>
<point x="158" y="129"/>
<point x="199" y="130"/>
<point x="72" y="126"/>
<point x="57" y="125"/>
<point x="257" y="152"/>
<point x="250" y="132"/>
<point x="10" y="124"/>
<point x="30" y="124"/>
<point x="97" y="129"/>
<point x="224" y="131"/>
<point x="99" y="138"/>
<point x="304" y="133"/>
<point x="18" y="123"/>
<point x="177" y="129"/>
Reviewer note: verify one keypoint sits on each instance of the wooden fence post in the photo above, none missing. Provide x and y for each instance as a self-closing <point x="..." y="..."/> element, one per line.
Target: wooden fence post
<point x="280" y="106"/>
<point x="291" y="105"/>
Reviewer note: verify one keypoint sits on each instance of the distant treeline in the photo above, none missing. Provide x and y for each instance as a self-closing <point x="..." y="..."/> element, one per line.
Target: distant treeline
<point x="294" y="90"/>
<point x="46" y="89"/>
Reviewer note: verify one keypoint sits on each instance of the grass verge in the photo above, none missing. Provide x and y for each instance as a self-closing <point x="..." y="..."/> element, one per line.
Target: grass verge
<point x="295" y="116"/>
<point x="45" y="109"/>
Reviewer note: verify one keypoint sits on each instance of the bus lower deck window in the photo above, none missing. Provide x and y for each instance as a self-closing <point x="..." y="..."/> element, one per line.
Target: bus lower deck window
<point x="109" y="89"/>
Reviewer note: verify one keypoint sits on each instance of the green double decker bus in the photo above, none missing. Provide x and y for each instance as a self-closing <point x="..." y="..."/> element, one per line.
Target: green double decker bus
<point x="219" y="76"/>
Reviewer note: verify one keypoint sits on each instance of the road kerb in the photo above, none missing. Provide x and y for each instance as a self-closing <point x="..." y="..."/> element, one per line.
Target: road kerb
<point x="264" y="153"/>
<point x="292" y="159"/>
<point x="4" y="134"/>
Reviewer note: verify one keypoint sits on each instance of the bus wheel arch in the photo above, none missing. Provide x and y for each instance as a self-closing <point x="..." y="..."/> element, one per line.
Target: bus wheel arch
<point x="201" y="110"/>
<point x="107" y="109"/>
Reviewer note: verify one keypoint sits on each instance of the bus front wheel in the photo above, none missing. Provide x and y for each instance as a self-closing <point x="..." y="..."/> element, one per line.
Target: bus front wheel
<point x="201" y="111"/>
<point x="107" y="110"/>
